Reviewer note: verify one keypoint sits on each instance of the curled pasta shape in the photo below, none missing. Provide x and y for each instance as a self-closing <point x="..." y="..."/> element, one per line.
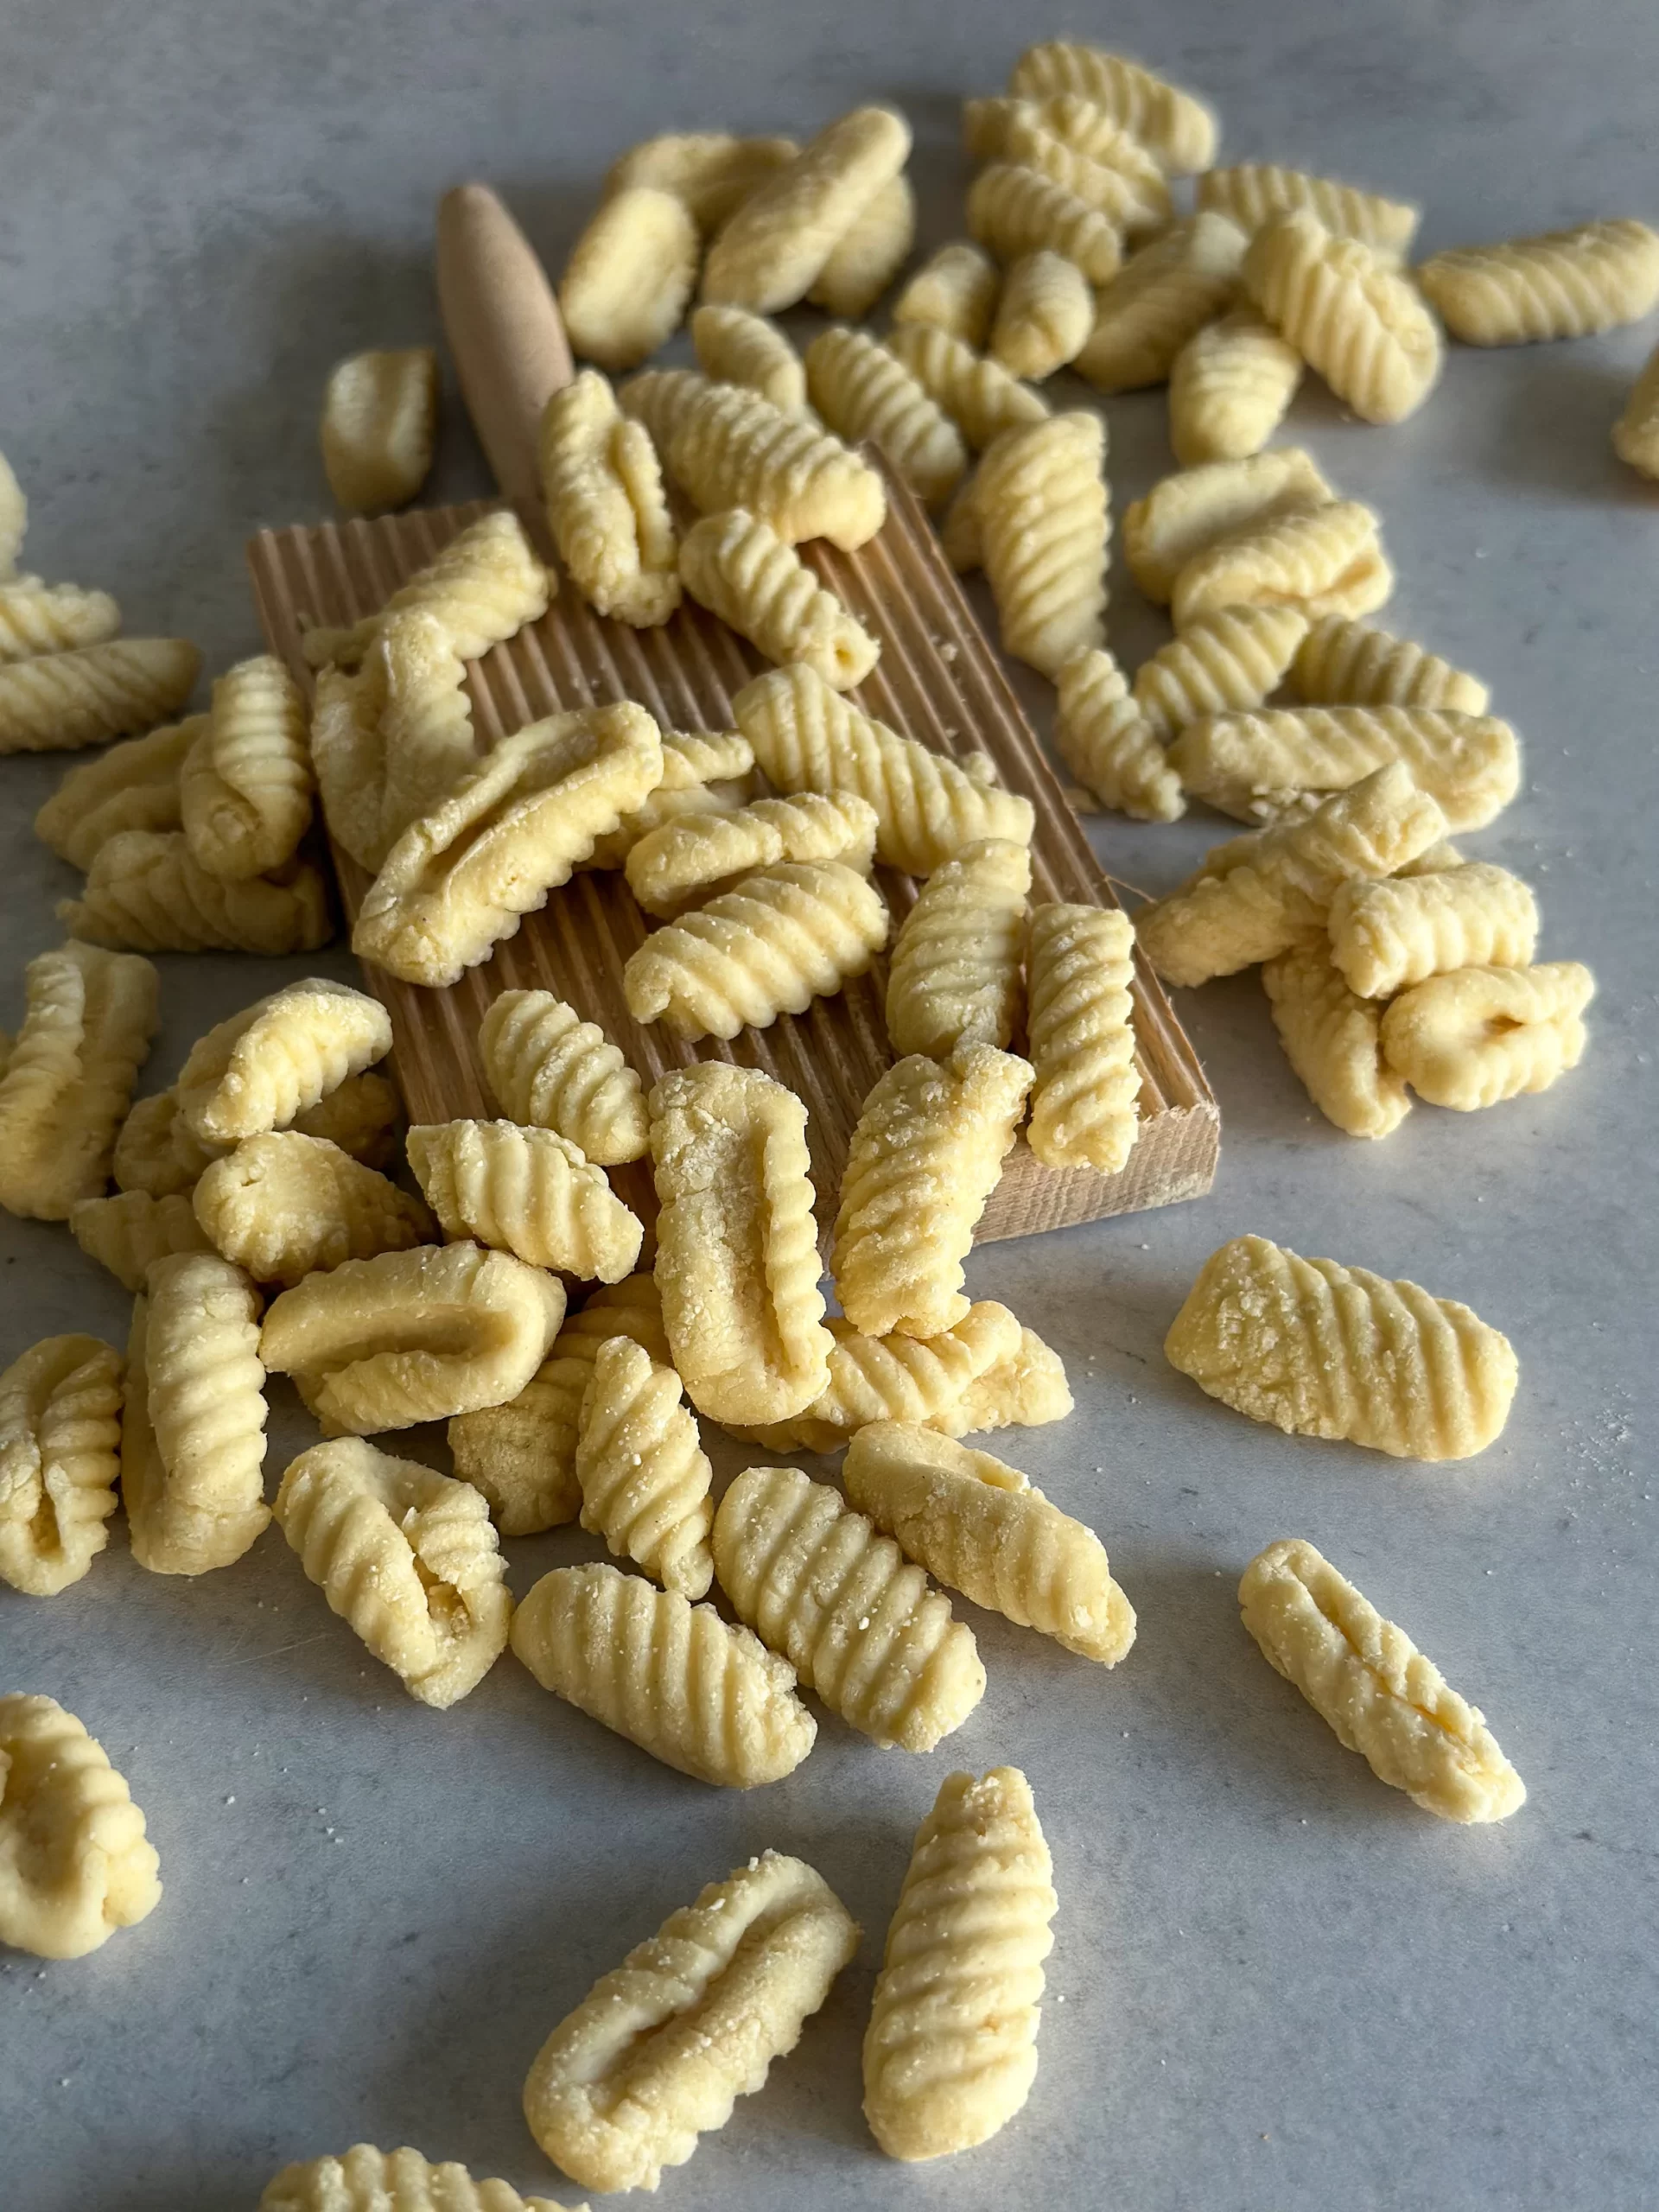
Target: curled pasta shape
<point x="39" y="618"/>
<point x="1230" y="387"/>
<point x="145" y="1158"/>
<point x="1252" y="193"/>
<point x="263" y="1067"/>
<point x="1341" y="663"/>
<point x="1045" y="523"/>
<point x="70" y="1075"/>
<point x="630" y="276"/>
<point x="1109" y="744"/>
<point x="643" y="1475"/>
<point x="59" y="1462"/>
<point x="605" y="506"/>
<point x="245" y="790"/>
<point x="1081" y="1037"/>
<point x="1220" y="663"/>
<point x="115" y="689"/>
<point x="1252" y="765"/>
<point x="1174" y="126"/>
<point x="711" y="171"/>
<point x="735" y="347"/>
<point x="486" y="583"/>
<point x="895" y="1378"/>
<point x="776" y="245"/>
<point x="681" y="863"/>
<point x="527" y="1191"/>
<point x="1484" y="1034"/>
<point x="1185" y="514"/>
<point x="1560" y="284"/>
<point x="1326" y="560"/>
<point x="145" y="893"/>
<point x="979" y="395"/>
<point x="1126" y="194"/>
<point x="379" y="425"/>
<point x="704" y="771"/>
<point x="1013" y="211"/>
<point x="864" y="391"/>
<point x="551" y="1070"/>
<point x="366" y="2180"/>
<point x="953" y="977"/>
<point x="425" y="739"/>
<point x="736" y="565"/>
<point x="1333" y="1042"/>
<point x="133" y="785"/>
<point x="1349" y="313"/>
<point x="1157" y="300"/>
<point x="126" y="1232"/>
<point x="348" y="750"/>
<point x="869" y="252"/>
<point x="954" y="291"/>
<point x="1387" y="936"/>
<point x="1045" y="315"/>
<point x="285" y="1205"/>
<point x="991" y="129"/>
<point x="75" y="1864"/>
<point x="1025" y="1389"/>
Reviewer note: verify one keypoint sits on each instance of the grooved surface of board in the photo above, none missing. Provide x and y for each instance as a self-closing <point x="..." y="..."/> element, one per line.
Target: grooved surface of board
<point x="937" y="680"/>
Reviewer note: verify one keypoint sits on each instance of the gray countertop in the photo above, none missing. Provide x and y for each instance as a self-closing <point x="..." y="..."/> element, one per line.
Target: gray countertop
<point x="1276" y="1985"/>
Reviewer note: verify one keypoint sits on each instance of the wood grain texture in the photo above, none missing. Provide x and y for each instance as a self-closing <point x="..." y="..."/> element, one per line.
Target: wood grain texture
<point x="938" y="680"/>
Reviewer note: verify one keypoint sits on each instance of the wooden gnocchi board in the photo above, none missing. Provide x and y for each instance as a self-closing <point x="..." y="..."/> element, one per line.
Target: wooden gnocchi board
<point x="937" y="679"/>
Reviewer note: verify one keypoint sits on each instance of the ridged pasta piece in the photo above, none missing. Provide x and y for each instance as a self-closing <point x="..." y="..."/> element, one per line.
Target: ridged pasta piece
<point x="379" y="425"/>
<point x="806" y="737"/>
<point x="869" y="252"/>
<point x="126" y="1232"/>
<point x="662" y="2047"/>
<point x="145" y="892"/>
<point x="1349" y="314"/>
<point x="285" y="1205"/>
<point x="1026" y="1389"/>
<point x="1043" y="317"/>
<point x="953" y="977"/>
<point x="895" y="1378"/>
<point x="39" y="618"/>
<point x="1157" y="301"/>
<point x="1379" y="1695"/>
<point x="727" y="447"/>
<point x="1174" y="126"/>
<point x="605" y="506"/>
<point x="1013" y="211"/>
<point x="643" y="1475"/>
<point x="407" y="1557"/>
<point x="59" y="1462"/>
<point x="133" y="785"/>
<point x="1230" y="387"/>
<point x="954" y="291"/>
<point x="1254" y="765"/>
<point x="630" y="276"/>
<point x="264" y="1066"/>
<point x="483" y="586"/>
<point x="774" y="247"/>
<point x="980" y="1527"/>
<point x="522" y="1455"/>
<point x="75" y="1864"/>
<point x="368" y="2180"/>
<point x="145" y="1158"/>
<point x="1341" y="663"/>
<point x="925" y="1156"/>
<point x="426" y="738"/>
<point x="59" y="701"/>
<point x="990" y="128"/>
<point x="245" y="790"/>
<point x="679" y="864"/>
<point x="736" y="565"/>
<point x="1124" y="194"/>
<point x="1387" y="936"/>
<point x="1320" y="1349"/>
<point x="979" y="395"/>
<point x="1108" y="744"/>
<point x="1185" y="514"/>
<point x="712" y="171"/>
<point x="950" y="2052"/>
<point x="413" y="1336"/>
<point x="348" y="751"/>
<point x="1078" y="1021"/>
<point x="158" y="1151"/>
<point x="360" y="1116"/>
<point x="863" y="391"/>
<point x="528" y="1191"/>
<point x="1326" y="560"/>
<point x="70" y="1075"/>
<point x="1253" y="193"/>
<point x="1636" y="434"/>
<point x="1333" y="1042"/>
<point x="461" y="877"/>
<point x="13" y="517"/>
<point x="1486" y="1034"/>
<point x="1220" y="663"/>
<point x="737" y="1256"/>
<point x="1045" y="523"/>
<point x="704" y="771"/>
<point x="785" y="936"/>
<point x="1558" y="284"/>
<point x="551" y="1069"/>
<point x="700" y="1695"/>
<point x="193" y="1443"/>
<point x="735" y="347"/>
<point x="859" y="1625"/>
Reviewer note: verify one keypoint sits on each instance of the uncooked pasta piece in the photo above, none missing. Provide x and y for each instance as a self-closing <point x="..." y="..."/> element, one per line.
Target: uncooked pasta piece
<point x="551" y="1070"/>
<point x="953" y="977"/>
<point x="1081" y="1037"/>
<point x="484" y="585"/>
<point x="1387" y="936"/>
<point x="735" y="347"/>
<point x="605" y="506"/>
<point x="1013" y="211"/>
<point x="954" y="291"/>
<point x="979" y="395"/>
<point x="1108" y="744"/>
<point x="1157" y="301"/>
<point x="869" y="252"/>
<point x="75" y="1864"/>
<point x="1220" y="663"/>
<point x="348" y="751"/>
<point x="1558" y="285"/>
<point x="775" y="246"/>
<point x="806" y="737"/>
<point x="925" y="1156"/>
<point x="865" y="392"/>
<point x="1349" y="314"/>
<point x="528" y="1191"/>
<point x="643" y="1475"/>
<point x="1341" y="663"/>
<point x="1320" y="1349"/>
<point x="1026" y="1389"/>
<point x="737" y="1257"/>
<point x="727" y="447"/>
<point x="70" y="1075"/>
<point x="13" y="517"/>
<point x="1230" y="387"/>
<point x="1171" y="123"/>
<point x="662" y="2047"/>
<point x="368" y="2180"/>
<point x="737" y="566"/>
<point x="980" y="1527"/>
<point x="1044" y="313"/>
<point x="462" y="878"/>
<point x="1326" y="560"/>
<point x="712" y="171"/>
<point x="680" y="864"/>
<point x="413" y="1336"/>
<point x="145" y="893"/>
<point x="144" y="1159"/>
<point x="61" y="700"/>
<point x="991" y="127"/>
<point x="285" y="1205"/>
<point x="630" y="276"/>
<point x="360" y="1117"/>
<point x="895" y="1378"/>
<point x="1333" y="1042"/>
<point x="1045" y="523"/>
<point x="426" y="737"/>
<point x="133" y="785"/>
<point x="245" y="786"/>
<point x="407" y="1557"/>
<point x="39" y="618"/>
<point x="126" y="1232"/>
<point x="1380" y="1695"/>
<point x="1185" y="514"/>
<point x="59" y="1462"/>
<point x="1484" y="1034"/>
<point x="959" y="535"/>
<point x="700" y="1695"/>
<point x="1636" y="434"/>
<point x="704" y="771"/>
<point x="950" y="2052"/>
<point x="379" y="425"/>
<point x="1254" y="765"/>
<point x="1125" y="195"/>
<point x="264" y="1066"/>
<point x="1253" y="193"/>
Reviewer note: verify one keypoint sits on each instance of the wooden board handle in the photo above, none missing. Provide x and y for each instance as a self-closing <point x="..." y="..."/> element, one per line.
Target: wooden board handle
<point x="504" y="329"/>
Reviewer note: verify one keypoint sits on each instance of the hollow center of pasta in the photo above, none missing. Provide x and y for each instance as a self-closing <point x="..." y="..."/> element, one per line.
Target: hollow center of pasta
<point x="441" y="1331"/>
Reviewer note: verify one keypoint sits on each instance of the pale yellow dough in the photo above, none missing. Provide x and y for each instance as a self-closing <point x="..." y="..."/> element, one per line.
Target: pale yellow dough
<point x="1079" y="968"/>
<point x="1173" y="126"/>
<point x="75" y="1864"/>
<point x="133" y="785"/>
<point x="1222" y="663"/>
<point x="1387" y="936"/>
<point x="1185" y="514"/>
<point x="145" y="893"/>
<point x="59" y="1462"/>
<point x="262" y="1068"/>
<point x="605" y="506"/>
<point x="736" y="564"/>
<point x="551" y="1070"/>
<point x="775" y="246"/>
<point x="735" y="347"/>
<point x="954" y="291"/>
<point x="126" y="1232"/>
<point x="711" y="171"/>
<point x="1259" y="767"/>
<point x="979" y="395"/>
<point x="686" y="860"/>
<point x="1041" y="502"/>
<point x="869" y="252"/>
<point x="285" y="1205"/>
<point x="1230" y="387"/>
<point x="897" y="1378"/>
<point x="1560" y="284"/>
<point x="1157" y="300"/>
<point x="630" y="276"/>
<point x="866" y="393"/>
<point x="379" y="425"/>
<point x="1109" y="744"/>
<point x="1348" y="311"/>
<point x="1044" y="313"/>
<point x="1253" y="193"/>
<point x="1013" y="211"/>
<point x="643" y="1474"/>
<point x="1333" y="1040"/>
<point x="38" y="618"/>
<point x="1342" y="662"/>
<point x="245" y="786"/>
<point x="486" y="583"/>
<point x="953" y="976"/>
<point x="70" y="1075"/>
<point x="1484" y="1034"/>
<point x="57" y="701"/>
<point x="368" y="2180"/>
<point x="1323" y="560"/>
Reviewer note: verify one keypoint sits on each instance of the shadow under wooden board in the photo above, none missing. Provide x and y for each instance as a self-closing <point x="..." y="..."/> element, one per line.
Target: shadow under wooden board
<point x="937" y="679"/>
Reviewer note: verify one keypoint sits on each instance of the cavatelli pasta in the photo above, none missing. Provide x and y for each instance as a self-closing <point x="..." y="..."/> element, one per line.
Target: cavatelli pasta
<point x="643" y="1474"/>
<point x="1252" y="193"/>
<point x="737" y="566"/>
<point x="74" y="1862"/>
<point x="133" y="785"/>
<point x="1341" y="663"/>
<point x="1044" y="315"/>
<point x="1013" y="211"/>
<point x="1230" y="387"/>
<point x="39" y="618"/>
<point x="1484" y="1034"/>
<point x="484" y="585"/>
<point x="59" y="1462"/>
<point x="285" y="1205"/>
<point x="1045" y="524"/>
<point x="978" y="394"/>
<point x="954" y="291"/>
<point x="551" y="1069"/>
<point x="1254" y="765"/>
<point x="605" y="506"/>
<point x="379" y="425"/>
<point x="1109" y="744"/>
<point x="1222" y="663"/>
<point x="145" y="893"/>
<point x="527" y="1191"/>
<point x="683" y="862"/>
<point x="57" y="701"/>
<point x="712" y="171"/>
<point x="630" y="276"/>
<point x="70" y="1075"/>
<point x="245" y="787"/>
<point x="263" y="1067"/>
<point x="953" y="977"/>
<point x="1333" y="1042"/>
<point x="735" y="347"/>
<point x="1560" y="284"/>
<point x="126" y="1232"/>
<point x="1321" y="560"/>
<point x="1185" y="514"/>
<point x="775" y="247"/>
<point x="1387" y="936"/>
<point x="1157" y="301"/>
<point x="869" y="252"/>
<point x="1081" y="1037"/>
<point x="1171" y="123"/>
<point x="864" y="391"/>
<point x="1349" y="313"/>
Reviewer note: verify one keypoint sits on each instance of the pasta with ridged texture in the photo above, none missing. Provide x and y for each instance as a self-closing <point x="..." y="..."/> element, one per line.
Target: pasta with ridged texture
<point x="145" y="893"/>
<point x="1185" y="514"/>
<point x="1341" y="663"/>
<point x="60" y="1463"/>
<point x="953" y="977"/>
<point x="527" y="1191"/>
<point x="1387" y="936"/>
<point x="133" y="785"/>
<point x="1333" y="1042"/>
<point x="426" y="738"/>
<point x="75" y="1864"/>
<point x="735" y="347"/>
<point x="1230" y="387"/>
<point x="712" y="171"/>
<point x="1219" y="663"/>
<point x="1349" y="314"/>
<point x="703" y="772"/>
<point x="1157" y="301"/>
<point x="1125" y="195"/>
<point x="1045" y="523"/>
<point x="244" y="790"/>
<point x="1636" y="434"/>
<point x="1252" y="193"/>
<point x="484" y="585"/>
<point x="1558" y="285"/>
<point x="680" y="864"/>
<point x="70" y="1075"/>
<point x="348" y="750"/>
<point x="263" y="1067"/>
<point x="869" y="252"/>
<point x="360" y="1115"/>
<point x="630" y="276"/>
<point x="775" y="246"/>
<point x="1326" y="560"/>
<point x="368" y="2180"/>
<point x="550" y="1069"/>
<point x="736" y="565"/>
<point x="1109" y="744"/>
<point x="643" y="1474"/>
<point x="1173" y="126"/>
<point x="1080" y="1034"/>
<point x="285" y="1205"/>
<point x="39" y="618"/>
<point x="980" y="397"/>
<point x="1484" y="1034"/>
<point x="863" y="391"/>
<point x="126" y="1232"/>
<point x="991" y="128"/>
<point x="605" y="506"/>
<point x="145" y="1158"/>
<point x="1256" y="765"/>
<point x="60" y="700"/>
<point x="1026" y="1389"/>
<point x="1044" y="315"/>
<point x="895" y="1378"/>
<point x="1013" y="211"/>
<point x="379" y="425"/>
<point x="954" y="291"/>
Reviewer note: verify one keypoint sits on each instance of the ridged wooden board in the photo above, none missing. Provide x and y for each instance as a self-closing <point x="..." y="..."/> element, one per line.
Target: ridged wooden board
<point x="937" y="679"/>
